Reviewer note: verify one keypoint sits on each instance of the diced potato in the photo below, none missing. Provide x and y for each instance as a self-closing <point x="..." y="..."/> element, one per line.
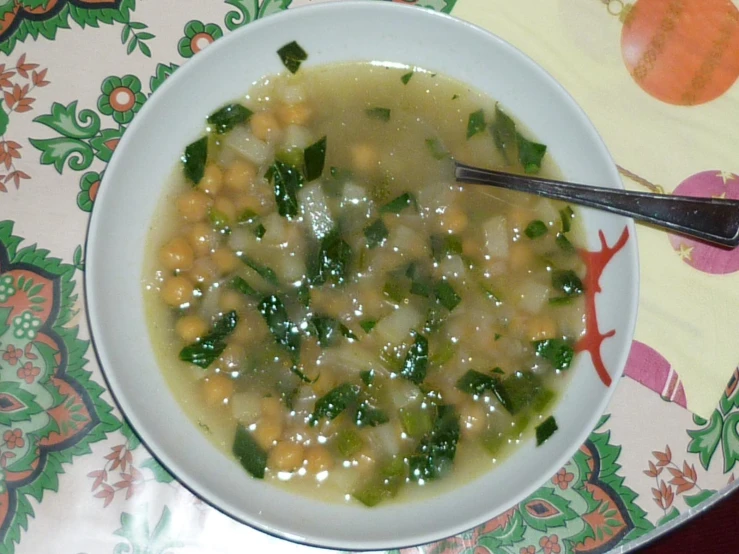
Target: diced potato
<point x="246" y="144"/>
<point x="297" y="136"/>
<point x="246" y="407"/>
<point x="531" y="296"/>
<point x="397" y="327"/>
<point x="496" y="236"/>
<point x="316" y="211"/>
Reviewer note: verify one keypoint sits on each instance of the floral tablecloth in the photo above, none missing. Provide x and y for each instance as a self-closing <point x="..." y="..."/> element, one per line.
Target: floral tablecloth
<point x="73" y="74"/>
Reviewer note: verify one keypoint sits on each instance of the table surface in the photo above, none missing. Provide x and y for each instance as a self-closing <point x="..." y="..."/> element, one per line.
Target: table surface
<point x="73" y="75"/>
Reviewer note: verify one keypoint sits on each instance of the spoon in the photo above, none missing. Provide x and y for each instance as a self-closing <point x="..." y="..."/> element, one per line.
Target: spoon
<point x="714" y="220"/>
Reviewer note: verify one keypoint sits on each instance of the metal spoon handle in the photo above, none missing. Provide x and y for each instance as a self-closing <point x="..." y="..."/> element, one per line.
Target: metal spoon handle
<point x="714" y="220"/>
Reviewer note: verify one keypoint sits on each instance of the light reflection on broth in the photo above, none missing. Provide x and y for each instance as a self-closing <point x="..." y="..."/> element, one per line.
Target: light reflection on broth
<point x="378" y="327"/>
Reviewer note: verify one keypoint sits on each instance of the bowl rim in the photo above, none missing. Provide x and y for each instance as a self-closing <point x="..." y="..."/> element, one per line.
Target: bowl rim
<point x="99" y="349"/>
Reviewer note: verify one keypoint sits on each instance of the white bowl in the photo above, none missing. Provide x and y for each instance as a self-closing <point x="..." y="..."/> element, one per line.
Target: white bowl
<point x="174" y="116"/>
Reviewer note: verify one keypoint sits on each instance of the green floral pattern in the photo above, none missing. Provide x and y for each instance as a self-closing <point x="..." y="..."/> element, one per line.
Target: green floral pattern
<point x="122" y="98"/>
<point x="197" y="36"/>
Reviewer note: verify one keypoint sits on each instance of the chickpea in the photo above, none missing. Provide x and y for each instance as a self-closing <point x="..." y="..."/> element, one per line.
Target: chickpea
<point x="203" y="272"/>
<point x="217" y="389"/>
<point x="190" y="328"/>
<point x="264" y="124"/>
<point x="518" y="218"/>
<point x="250" y="202"/>
<point x="364" y="157"/>
<point x="318" y="459"/>
<point x="177" y="254"/>
<point x="454" y="220"/>
<point x="472" y="418"/>
<point x="471" y="247"/>
<point x="239" y="175"/>
<point x="520" y="257"/>
<point x="212" y="180"/>
<point x="268" y="431"/>
<point x="296" y="114"/>
<point x="225" y="207"/>
<point x="201" y="238"/>
<point x="272" y="407"/>
<point x="224" y="260"/>
<point x="177" y="291"/>
<point x="193" y="205"/>
<point x="325" y="382"/>
<point x="232" y="356"/>
<point x="286" y="456"/>
<point x="231" y="300"/>
<point x="541" y="328"/>
<point x="249" y="332"/>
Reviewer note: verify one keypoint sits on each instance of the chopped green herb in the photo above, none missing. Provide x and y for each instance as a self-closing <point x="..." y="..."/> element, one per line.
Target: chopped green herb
<point x="556" y="351"/>
<point x="292" y="55"/>
<point x="564" y="243"/>
<point x="447" y="296"/>
<point x="398" y="204"/>
<point x="286" y="180"/>
<point x="497" y="370"/>
<point x="435" y="318"/>
<point x="406" y="77"/>
<point x="455" y="96"/>
<point x="416" y="361"/>
<point x="445" y="245"/>
<point x="434" y="456"/>
<point x="304" y="294"/>
<point x="566" y="215"/>
<point x="491" y="294"/>
<point x="519" y="391"/>
<point x="367" y="376"/>
<point x="248" y="452"/>
<point x="284" y="332"/>
<point x="315" y="158"/>
<point x="328" y="330"/>
<point x="536" y="229"/>
<point x="219" y="220"/>
<point x="247" y="216"/>
<point x="385" y="485"/>
<point x="194" y="158"/>
<point x="396" y="289"/>
<point x="382" y="114"/>
<point x="348" y="442"/>
<point x="567" y="282"/>
<point x="475" y="123"/>
<point x="444" y="354"/>
<point x="259" y="231"/>
<point x="243" y="287"/>
<point x="291" y="156"/>
<point x="420" y="289"/>
<point x="436" y="148"/>
<point x="560" y="301"/>
<point x="208" y="348"/>
<point x="503" y="130"/>
<point x="368" y="416"/>
<point x="417" y="420"/>
<point x="333" y="260"/>
<point x="263" y="271"/>
<point x="530" y="154"/>
<point x="368" y="324"/>
<point x="228" y="117"/>
<point x="545" y="430"/>
<point x="474" y="382"/>
<point x="334" y="402"/>
<point x="376" y="233"/>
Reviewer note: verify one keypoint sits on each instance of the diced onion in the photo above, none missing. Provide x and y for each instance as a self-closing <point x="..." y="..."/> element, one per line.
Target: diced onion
<point x="496" y="236"/>
<point x="242" y="141"/>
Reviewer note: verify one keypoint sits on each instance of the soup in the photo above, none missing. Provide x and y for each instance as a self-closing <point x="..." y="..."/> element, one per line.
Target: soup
<point x="338" y="314"/>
